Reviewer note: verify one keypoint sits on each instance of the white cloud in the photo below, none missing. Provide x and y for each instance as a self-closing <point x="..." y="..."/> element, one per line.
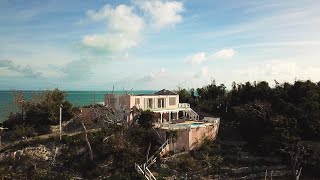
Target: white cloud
<point x="280" y="70"/>
<point x="203" y="73"/>
<point x="156" y="79"/>
<point x="5" y="72"/>
<point x="162" y="13"/>
<point x="224" y="54"/>
<point x="25" y="71"/>
<point x="201" y="57"/>
<point x="197" y="58"/>
<point x="154" y="76"/>
<point x="119" y="19"/>
<point x="111" y="42"/>
<point x="124" y="28"/>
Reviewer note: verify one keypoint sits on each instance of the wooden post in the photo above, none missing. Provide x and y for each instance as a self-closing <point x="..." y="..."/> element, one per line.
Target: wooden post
<point x="265" y="175"/>
<point x="60" y="126"/>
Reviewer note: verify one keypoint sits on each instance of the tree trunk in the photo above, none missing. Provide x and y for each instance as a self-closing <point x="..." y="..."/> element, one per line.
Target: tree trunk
<point x="148" y="151"/>
<point x="87" y="140"/>
<point x="298" y="174"/>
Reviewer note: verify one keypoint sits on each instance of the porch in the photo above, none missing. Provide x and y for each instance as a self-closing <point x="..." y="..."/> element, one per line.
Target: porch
<point x="172" y="115"/>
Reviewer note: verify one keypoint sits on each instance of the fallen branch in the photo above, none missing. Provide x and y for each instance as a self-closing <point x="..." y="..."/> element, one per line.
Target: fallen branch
<point x="106" y="138"/>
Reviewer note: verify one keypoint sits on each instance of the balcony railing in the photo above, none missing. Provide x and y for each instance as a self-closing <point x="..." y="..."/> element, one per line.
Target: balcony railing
<point x="184" y="105"/>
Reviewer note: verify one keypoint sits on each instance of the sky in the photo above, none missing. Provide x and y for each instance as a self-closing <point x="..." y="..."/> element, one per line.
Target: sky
<point x="156" y="44"/>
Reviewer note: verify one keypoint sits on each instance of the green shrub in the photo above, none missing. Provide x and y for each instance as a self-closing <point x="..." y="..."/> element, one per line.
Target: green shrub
<point x="23" y="130"/>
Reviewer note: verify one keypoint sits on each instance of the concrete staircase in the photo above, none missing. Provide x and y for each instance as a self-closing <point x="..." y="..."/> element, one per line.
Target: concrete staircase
<point x="190" y="112"/>
<point x="144" y="168"/>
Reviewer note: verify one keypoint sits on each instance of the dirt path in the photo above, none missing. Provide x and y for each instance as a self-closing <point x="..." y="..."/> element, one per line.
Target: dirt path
<point x="44" y="136"/>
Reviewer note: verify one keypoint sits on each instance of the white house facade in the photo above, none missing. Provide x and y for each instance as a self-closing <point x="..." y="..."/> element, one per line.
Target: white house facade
<point x="164" y="102"/>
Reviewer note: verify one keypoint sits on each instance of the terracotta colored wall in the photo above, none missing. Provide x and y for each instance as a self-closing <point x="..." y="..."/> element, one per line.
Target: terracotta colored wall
<point x="124" y="101"/>
<point x="182" y="141"/>
<point x="189" y="139"/>
<point x="108" y="103"/>
<point x="197" y="135"/>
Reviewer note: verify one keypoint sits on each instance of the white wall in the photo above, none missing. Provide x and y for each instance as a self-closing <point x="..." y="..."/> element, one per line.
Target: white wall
<point x="143" y="101"/>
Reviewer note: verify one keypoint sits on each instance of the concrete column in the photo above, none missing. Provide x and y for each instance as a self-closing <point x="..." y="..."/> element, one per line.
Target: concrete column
<point x="169" y="116"/>
<point x="177" y="115"/>
<point x="161" y="119"/>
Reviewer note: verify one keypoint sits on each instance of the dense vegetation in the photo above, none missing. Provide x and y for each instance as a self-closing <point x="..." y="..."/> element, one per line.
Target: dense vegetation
<point x="38" y="114"/>
<point x="115" y="148"/>
<point x="282" y="120"/>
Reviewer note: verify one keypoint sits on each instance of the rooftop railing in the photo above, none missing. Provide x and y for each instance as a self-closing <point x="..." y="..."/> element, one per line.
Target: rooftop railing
<point x="184" y="105"/>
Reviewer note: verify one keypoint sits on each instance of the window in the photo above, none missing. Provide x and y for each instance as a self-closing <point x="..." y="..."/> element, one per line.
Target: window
<point x="172" y="101"/>
<point x="137" y="101"/>
<point x="150" y="102"/>
<point x="161" y="103"/>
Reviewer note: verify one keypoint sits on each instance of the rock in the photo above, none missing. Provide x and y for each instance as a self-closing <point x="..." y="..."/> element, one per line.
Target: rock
<point x="40" y="152"/>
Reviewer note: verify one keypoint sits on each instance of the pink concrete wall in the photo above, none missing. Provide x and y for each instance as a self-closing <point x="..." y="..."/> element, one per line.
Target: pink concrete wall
<point x="108" y="103"/>
<point x="198" y="135"/>
<point x="124" y="101"/>
<point x="121" y="100"/>
<point x="182" y="141"/>
<point x="191" y="138"/>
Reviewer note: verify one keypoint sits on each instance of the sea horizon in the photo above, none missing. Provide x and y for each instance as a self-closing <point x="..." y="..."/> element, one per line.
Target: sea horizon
<point x="77" y="98"/>
<point x="28" y="90"/>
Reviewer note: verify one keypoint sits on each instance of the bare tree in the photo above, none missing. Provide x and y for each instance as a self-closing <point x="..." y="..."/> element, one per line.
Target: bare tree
<point x="296" y="153"/>
<point x="87" y="140"/>
<point x="101" y="114"/>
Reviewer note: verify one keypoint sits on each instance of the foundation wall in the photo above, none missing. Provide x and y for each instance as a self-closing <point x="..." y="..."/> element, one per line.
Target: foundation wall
<point x="190" y="138"/>
<point x="182" y="141"/>
<point x="198" y="135"/>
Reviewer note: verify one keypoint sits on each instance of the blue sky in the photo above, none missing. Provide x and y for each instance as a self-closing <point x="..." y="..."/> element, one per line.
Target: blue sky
<point x="155" y="44"/>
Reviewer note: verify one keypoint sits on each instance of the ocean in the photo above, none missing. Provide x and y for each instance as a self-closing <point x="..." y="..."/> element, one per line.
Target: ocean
<point x="77" y="98"/>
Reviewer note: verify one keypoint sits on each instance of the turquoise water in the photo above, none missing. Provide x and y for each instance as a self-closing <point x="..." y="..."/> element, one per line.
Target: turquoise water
<point x="183" y="126"/>
<point x="196" y="125"/>
<point x="77" y="98"/>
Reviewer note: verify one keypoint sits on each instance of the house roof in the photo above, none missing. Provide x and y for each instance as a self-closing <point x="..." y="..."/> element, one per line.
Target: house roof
<point x="161" y="92"/>
<point x="165" y="92"/>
